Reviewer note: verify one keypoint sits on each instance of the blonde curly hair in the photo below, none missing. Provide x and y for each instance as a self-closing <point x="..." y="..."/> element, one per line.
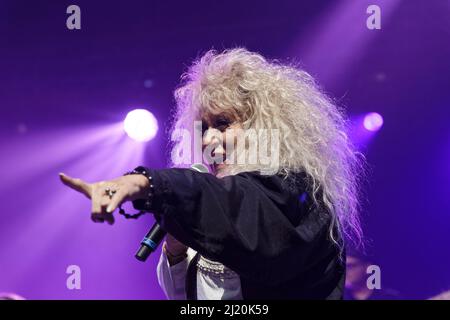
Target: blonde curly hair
<point x="266" y="95"/>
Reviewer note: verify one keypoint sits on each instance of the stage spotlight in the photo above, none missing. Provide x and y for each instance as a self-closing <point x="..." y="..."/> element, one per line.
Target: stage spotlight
<point x="140" y="125"/>
<point x="373" y="121"/>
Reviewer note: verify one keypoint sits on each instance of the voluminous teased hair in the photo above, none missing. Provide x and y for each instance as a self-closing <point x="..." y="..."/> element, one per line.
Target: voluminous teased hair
<point x="266" y="94"/>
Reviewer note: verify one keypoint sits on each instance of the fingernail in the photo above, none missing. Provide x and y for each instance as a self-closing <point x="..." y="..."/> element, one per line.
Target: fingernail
<point x="108" y="210"/>
<point x="61" y="174"/>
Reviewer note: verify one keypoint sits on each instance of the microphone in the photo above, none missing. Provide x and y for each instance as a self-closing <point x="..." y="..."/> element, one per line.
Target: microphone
<point x="156" y="234"/>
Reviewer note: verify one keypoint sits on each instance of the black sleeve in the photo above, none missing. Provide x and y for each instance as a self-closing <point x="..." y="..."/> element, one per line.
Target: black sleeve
<point x="250" y="222"/>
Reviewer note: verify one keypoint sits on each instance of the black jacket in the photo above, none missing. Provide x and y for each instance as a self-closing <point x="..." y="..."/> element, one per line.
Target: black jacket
<point x="265" y="228"/>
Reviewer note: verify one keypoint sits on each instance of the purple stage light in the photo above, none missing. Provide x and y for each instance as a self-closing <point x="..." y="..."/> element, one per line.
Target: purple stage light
<point x="373" y="121"/>
<point x="140" y="125"/>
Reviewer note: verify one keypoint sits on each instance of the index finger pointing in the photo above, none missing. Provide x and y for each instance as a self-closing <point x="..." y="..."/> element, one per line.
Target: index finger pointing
<point x="76" y="184"/>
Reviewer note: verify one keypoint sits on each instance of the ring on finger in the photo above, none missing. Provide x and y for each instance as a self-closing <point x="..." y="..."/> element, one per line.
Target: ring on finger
<point x="110" y="192"/>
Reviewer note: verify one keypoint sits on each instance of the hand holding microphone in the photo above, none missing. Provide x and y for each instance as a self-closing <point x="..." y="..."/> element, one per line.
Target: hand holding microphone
<point x="174" y="249"/>
<point x="156" y="234"/>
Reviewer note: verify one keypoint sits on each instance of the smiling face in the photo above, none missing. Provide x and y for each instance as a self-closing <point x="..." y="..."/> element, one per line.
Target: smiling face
<point x="216" y="130"/>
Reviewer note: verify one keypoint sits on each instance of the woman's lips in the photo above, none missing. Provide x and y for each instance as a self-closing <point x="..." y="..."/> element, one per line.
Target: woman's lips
<point x="217" y="166"/>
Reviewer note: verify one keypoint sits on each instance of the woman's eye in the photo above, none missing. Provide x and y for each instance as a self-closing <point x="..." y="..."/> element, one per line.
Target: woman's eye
<point x="222" y="124"/>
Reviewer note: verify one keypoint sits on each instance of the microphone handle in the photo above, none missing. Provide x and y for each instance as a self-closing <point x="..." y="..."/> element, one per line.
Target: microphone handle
<point x="150" y="242"/>
<point x="156" y="233"/>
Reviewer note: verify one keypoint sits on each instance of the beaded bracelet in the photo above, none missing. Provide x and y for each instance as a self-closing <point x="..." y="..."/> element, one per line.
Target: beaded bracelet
<point x="148" y="201"/>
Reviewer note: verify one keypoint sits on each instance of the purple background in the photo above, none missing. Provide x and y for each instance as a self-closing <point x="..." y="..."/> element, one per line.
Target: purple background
<point x="63" y="95"/>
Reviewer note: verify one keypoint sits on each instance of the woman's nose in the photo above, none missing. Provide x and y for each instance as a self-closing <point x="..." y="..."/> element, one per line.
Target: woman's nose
<point x="207" y="137"/>
<point x="210" y="136"/>
<point x="213" y="136"/>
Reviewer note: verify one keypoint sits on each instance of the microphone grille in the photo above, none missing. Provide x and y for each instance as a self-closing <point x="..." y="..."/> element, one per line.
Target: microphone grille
<point x="200" y="167"/>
